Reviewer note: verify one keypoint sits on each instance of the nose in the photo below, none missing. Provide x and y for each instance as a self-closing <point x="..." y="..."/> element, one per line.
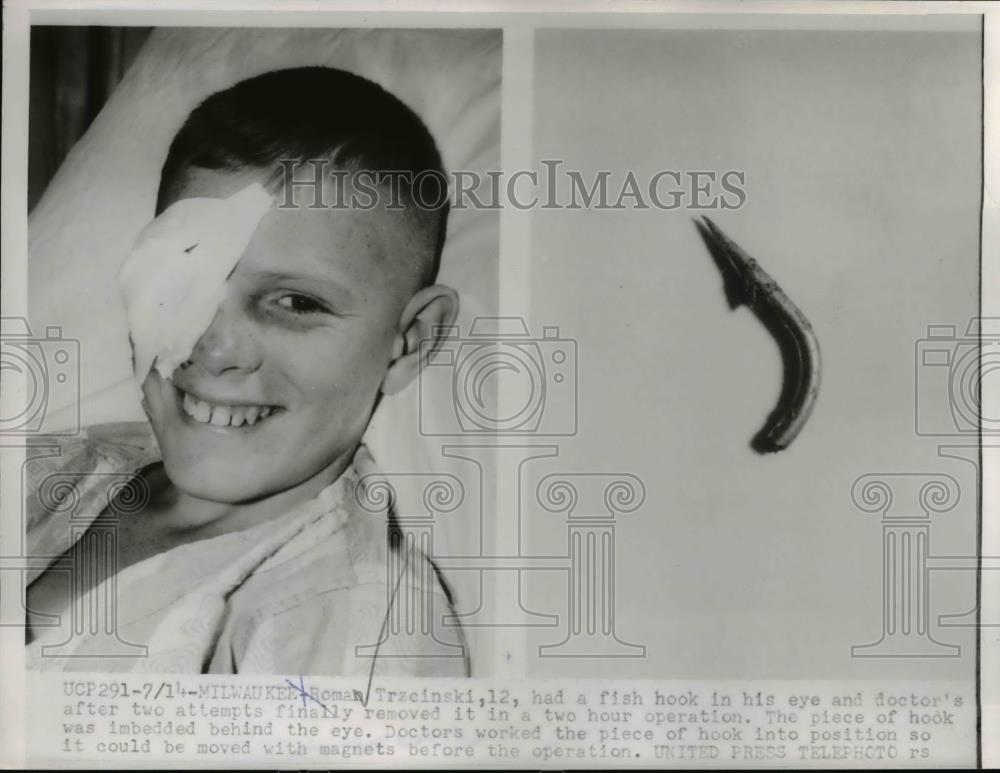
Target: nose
<point x="229" y="344"/>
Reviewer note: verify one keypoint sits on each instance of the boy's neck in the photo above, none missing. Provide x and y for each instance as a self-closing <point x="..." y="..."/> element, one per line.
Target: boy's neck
<point x="180" y="512"/>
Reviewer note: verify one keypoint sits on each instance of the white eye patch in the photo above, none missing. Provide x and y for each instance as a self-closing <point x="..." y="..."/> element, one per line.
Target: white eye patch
<point x="174" y="279"/>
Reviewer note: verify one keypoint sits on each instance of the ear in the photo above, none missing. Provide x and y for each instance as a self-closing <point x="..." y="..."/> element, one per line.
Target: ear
<point x="424" y="319"/>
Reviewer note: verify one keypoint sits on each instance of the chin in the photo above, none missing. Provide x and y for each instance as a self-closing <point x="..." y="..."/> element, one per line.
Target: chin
<point x="207" y="481"/>
<point x="235" y="463"/>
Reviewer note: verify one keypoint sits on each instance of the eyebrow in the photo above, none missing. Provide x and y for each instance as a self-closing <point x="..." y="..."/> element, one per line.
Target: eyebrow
<point x="335" y="291"/>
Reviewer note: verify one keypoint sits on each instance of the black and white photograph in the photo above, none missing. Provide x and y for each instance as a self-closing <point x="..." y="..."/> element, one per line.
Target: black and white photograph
<point x="268" y="557"/>
<point x="418" y="388"/>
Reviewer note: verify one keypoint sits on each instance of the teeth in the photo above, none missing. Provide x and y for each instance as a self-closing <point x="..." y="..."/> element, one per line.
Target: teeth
<point x="202" y="411"/>
<point x="224" y="415"/>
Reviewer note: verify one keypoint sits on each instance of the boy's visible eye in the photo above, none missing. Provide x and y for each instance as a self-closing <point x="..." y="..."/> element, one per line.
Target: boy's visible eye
<point x="296" y="303"/>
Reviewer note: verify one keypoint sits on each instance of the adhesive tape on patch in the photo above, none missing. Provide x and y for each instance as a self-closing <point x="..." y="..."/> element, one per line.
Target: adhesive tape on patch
<point x="174" y="279"/>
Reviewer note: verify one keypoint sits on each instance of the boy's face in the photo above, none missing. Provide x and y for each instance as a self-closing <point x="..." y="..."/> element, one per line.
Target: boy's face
<point x="282" y="384"/>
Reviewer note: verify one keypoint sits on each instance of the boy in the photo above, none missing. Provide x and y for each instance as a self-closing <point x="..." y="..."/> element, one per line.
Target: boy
<point x="248" y="546"/>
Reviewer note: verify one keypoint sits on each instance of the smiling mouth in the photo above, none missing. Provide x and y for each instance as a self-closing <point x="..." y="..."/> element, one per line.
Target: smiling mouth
<point x="219" y="415"/>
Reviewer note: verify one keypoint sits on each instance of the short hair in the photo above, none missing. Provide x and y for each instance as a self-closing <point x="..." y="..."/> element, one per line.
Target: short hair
<point x="308" y="113"/>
